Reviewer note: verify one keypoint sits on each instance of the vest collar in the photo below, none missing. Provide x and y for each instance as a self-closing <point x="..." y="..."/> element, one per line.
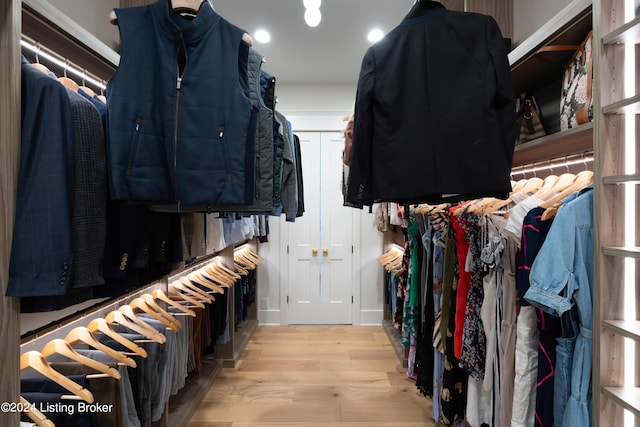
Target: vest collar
<point x="205" y="20"/>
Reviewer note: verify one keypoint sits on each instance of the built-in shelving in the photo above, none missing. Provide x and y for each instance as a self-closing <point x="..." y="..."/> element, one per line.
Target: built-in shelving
<point x="627" y="33"/>
<point x="572" y="141"/>
<point x="625" y="252"/>
<point x="616" y="334"/>
<point x="626" y="328"/>
<point x="627" y="397"/>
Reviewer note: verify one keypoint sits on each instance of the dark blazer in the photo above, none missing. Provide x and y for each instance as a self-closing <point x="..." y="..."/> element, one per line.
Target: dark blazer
<point x="435" y="112"/>
<point x="41" y="251"/>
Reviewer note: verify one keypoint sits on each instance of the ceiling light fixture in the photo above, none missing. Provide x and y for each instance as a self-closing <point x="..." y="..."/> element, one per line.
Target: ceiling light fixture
<point x="375" y="35"/>
<point x="312" y="17"/>
<point x="262" y="36"/>
<point x="312" y="4"/>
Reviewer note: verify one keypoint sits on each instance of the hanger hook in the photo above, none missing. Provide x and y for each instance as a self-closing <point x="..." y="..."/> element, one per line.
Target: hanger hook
<point x="566" y="164"/>
<point x="84" y="76"/>
<point x="66" y="65"/>
<point x="38" y="47"/>
<point x="533" y="169"/>
<point x="584" y="161"/>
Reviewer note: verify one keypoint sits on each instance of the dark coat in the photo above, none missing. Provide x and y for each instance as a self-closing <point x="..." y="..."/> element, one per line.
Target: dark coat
<point x="41" y="251"/>
<point x="435" y="112"/>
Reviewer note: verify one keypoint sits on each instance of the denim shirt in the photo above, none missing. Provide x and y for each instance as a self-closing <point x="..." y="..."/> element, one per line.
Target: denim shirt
<point x="561" y="280"/>
<point x="562" y="273"/>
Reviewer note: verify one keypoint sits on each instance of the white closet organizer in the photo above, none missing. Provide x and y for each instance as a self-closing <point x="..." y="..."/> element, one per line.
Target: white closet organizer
<point x="617" y="270"/>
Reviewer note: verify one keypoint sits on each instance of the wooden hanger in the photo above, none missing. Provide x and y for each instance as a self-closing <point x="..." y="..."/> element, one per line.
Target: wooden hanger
<point x="41" y="67"/>
<point x="88" y="91"/>
<point x="69" y="83"/>
<point x="118" y="317"/>
<point x="185" y="294"/>
<point x="141" y="304"/>
<point x="552" y="205"/>
<point x="36" y="361"/>
<point x="159" y="294"/>
<point x="61" y="347"/>
<point x="82" y="334"/>
<point x="241" y="268"/>
<point x="151" y="302"/>
<point x="127" y="310"/>
<point x="101" y="325"/>
<point x="35" y="415"/>
<point x="198" y="291"/>
<point x="219" y="276"/>
<point x="205" y="281"/>
<point x="218" y="264"/>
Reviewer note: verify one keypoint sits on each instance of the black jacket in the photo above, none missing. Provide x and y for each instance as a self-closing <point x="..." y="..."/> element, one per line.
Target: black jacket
<point x="435" y="112"/>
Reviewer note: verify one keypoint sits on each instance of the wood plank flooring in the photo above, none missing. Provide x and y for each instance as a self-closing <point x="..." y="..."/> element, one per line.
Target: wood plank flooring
<point x="315" y="376"/>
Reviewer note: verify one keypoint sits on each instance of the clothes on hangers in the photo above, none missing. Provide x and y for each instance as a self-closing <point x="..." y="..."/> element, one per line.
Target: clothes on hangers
<point x="458" y="150"/>
<point x="508" y="261"/>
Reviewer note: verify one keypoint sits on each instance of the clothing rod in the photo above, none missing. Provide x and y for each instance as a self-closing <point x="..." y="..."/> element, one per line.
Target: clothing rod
<point x="60" y="61"/>
<point x="559" y="162"/>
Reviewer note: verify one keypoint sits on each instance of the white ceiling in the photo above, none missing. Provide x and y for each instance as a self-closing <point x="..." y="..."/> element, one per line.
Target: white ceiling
<point x="330" y="53"/>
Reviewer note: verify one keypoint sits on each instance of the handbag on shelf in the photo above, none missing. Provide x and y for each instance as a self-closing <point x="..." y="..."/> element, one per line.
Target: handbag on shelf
<point x="576" y="101"/>
<point x="529" y="118"/>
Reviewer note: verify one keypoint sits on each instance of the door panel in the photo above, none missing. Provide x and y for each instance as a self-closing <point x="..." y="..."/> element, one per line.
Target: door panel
<point x="320" y="259"/>
<point x="304" y="267"/>
<point x="336" y="236"/>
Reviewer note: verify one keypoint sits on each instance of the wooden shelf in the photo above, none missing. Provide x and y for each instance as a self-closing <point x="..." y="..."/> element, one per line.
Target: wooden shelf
<point x="626" y="328"/>
<point x="569" y="26"/>
<point x="621" y="179"/>
<point x="621" y="251"/>
<point x="573" y="141"/>
<point x="627" y="33"/>
<point x="628" y="397"/>
<point x="628" y="105"/>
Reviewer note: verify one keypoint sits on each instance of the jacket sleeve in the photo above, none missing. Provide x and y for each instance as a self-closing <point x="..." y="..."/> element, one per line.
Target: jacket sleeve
<point x="505" y="94"/>
<point x="359" y="181"/>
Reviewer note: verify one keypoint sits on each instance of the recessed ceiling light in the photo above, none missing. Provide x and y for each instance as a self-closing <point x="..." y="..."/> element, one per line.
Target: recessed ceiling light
<point x="262" y="36"/>
<point x="312" y="17"/>
<point x="375" y="35"/>
<point x="312" y="4"/>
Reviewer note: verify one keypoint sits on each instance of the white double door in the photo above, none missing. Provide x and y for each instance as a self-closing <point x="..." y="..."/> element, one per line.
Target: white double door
<point x="320" y="244"/>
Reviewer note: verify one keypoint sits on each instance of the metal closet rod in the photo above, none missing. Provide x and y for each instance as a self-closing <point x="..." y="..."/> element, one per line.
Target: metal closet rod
<point x="60" y="61"/>
<point x="559" y="162"/>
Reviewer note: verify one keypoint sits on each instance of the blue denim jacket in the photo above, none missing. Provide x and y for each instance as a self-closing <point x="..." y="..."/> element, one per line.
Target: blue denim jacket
<point x="561" y="278"/>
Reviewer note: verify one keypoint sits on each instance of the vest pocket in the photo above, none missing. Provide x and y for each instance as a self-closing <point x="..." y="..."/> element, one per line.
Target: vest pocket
<point x="224" y="152"/>
<point x="133" y="147"/>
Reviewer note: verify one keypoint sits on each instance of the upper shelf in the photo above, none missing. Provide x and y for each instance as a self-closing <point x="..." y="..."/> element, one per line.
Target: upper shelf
<point x="578" y="140"/>
<point x="569" y="26"/>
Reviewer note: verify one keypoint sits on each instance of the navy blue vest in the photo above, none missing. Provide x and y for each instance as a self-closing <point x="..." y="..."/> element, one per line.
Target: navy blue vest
<point x="181" y="121"/>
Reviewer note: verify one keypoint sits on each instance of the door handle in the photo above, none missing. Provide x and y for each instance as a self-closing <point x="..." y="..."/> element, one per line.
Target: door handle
<point x="325" y="252"/>
<point x="314" y="252"/>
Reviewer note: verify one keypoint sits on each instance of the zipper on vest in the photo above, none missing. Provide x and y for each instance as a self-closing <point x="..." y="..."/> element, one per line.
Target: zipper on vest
<point x="224" y="151"/>
<point x="133" y="147"/>
<point x="176" y="116"/>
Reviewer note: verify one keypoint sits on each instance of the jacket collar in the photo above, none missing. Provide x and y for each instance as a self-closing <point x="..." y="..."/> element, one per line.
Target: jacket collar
<point x="192" y="31"/>
<point x="423" y="10"/>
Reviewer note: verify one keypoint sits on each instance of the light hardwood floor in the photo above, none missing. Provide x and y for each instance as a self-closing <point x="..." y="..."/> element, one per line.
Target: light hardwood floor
<point x="315" y="376"/>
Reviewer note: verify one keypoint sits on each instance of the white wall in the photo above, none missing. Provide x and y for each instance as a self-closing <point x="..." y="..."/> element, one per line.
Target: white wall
<point x="529" y="15"/>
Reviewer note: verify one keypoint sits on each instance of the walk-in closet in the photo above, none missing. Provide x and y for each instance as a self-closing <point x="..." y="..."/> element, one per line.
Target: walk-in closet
<point x="294" y="213"/>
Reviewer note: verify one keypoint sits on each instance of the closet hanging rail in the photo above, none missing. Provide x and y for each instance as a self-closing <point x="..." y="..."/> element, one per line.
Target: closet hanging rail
<point x="64" y="64"/>
<point x="557" y="163"/>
